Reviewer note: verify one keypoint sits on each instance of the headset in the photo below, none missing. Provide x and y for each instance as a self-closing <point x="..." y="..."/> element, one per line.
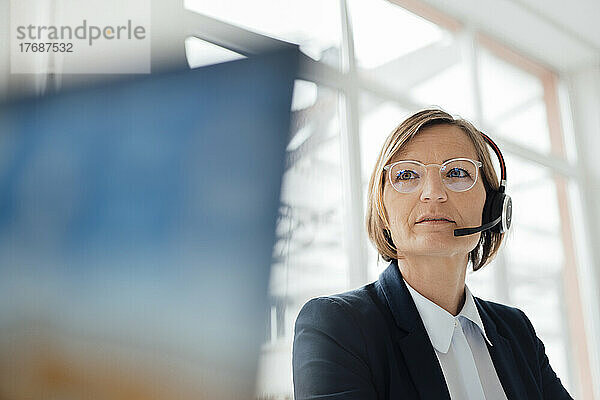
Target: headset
<point x="497" y="211"/>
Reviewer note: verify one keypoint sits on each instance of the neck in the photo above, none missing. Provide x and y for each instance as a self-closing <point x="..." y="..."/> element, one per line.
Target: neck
<point x="439" y="279"/>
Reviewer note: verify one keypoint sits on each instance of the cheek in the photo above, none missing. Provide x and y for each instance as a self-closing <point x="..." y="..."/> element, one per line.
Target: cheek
<point x="478" y="201"/>
<point x="398" y="210"/>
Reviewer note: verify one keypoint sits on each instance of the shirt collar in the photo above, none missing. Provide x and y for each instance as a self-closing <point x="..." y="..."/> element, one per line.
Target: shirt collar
<point x="439" y="323"/>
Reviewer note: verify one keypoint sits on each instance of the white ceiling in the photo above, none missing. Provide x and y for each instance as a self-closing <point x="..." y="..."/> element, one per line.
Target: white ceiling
<point x="563" y="35"/>
<point x="579" y="17"/>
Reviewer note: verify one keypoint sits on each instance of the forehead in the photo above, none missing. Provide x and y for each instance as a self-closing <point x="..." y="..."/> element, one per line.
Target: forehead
<point x="437" y="143"/>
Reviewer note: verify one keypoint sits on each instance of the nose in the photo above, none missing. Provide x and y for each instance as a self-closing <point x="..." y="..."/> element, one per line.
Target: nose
<point x="433" y="187"/>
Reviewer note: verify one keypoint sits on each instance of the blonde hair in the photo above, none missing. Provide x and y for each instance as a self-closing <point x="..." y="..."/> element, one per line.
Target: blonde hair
<point x="376" y="215"/>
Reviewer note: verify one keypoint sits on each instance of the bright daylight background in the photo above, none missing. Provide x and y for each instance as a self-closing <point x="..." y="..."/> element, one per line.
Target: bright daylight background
<point x="369" y="63"/>
<point x="525" y="71"/>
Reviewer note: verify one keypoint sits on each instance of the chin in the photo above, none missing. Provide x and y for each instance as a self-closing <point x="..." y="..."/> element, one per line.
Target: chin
<point x="443" y="246"/>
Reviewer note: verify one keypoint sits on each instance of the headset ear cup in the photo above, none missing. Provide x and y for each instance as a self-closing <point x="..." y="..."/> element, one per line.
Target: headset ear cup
<point x="496" y="210"/>
<point x="487" y="207"/>
<point x="507" y="213"/>
<point x="492" y="209"/>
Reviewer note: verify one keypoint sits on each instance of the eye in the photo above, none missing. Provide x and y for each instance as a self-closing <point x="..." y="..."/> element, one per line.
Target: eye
<point x="458" y="173"/>
<point x="405" y="175"/>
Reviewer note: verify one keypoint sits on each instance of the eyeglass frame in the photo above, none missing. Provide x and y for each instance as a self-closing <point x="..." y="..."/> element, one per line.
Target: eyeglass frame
<point x="478" y="164"/>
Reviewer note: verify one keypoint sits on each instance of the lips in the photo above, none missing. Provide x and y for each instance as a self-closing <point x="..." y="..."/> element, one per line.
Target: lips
<point x="427" y="218"/>
<point x="433" y="220"/>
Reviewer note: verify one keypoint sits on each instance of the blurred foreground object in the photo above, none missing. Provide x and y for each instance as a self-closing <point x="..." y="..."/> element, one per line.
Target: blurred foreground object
<point x="137" y="223"/>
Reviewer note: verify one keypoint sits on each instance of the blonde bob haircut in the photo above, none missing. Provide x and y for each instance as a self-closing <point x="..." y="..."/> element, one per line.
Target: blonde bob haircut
<point x="376" y="215"/>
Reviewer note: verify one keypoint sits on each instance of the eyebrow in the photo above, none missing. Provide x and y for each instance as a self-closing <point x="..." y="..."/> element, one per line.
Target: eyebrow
<point x="442" y="161"/>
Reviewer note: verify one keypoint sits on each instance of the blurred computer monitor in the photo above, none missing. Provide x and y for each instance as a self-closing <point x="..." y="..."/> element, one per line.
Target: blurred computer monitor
<point x="137" y="222"/>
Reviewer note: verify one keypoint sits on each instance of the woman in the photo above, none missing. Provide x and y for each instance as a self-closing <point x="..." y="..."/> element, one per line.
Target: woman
<point x="418" y="332"/>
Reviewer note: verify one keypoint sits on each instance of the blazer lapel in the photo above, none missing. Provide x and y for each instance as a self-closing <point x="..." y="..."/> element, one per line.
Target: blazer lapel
<point x="502" y="357"/>
<point x="421" y="361"/>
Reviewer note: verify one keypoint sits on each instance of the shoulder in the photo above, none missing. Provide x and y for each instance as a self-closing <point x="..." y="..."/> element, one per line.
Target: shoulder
<point x="353" y="305"/>
<point x="500" y="310"/>
<point x="331" y="349"/>
<point x="335" y="326"/>
<point x="354" y="316"/>
<point x="510" y="321"/>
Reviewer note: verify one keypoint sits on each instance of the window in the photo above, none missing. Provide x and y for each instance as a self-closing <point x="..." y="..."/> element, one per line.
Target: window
<point x="309" y="257"/>
<point x="200" y="52"/>
<point x="512" y="102"/>
<point x="368" y="64"/>
<point x="312" y="24"/>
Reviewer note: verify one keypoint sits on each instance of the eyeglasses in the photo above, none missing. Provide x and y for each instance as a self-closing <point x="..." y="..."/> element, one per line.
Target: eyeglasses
<point x="457" y="174"/>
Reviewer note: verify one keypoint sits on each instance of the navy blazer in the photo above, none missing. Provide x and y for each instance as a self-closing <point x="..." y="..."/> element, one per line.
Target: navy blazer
<point x="370" y="343"/>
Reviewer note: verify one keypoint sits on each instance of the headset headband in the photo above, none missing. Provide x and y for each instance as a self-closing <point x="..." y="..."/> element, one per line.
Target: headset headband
<point x="500" y="158"/>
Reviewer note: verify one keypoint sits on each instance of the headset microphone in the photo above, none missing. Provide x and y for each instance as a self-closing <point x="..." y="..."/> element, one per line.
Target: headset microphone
<point x="497" y="211"/>
<point x="470" y="231"/>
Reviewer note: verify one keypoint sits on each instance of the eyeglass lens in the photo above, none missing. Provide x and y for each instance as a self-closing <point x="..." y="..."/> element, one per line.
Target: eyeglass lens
<point x="457" y="175"/>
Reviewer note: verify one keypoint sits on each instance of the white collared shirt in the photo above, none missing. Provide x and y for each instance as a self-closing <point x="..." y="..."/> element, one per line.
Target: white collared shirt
<point x="460" y="347"/>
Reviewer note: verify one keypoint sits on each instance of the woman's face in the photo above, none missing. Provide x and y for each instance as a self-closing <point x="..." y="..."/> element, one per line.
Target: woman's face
<point x="433" y="145"/>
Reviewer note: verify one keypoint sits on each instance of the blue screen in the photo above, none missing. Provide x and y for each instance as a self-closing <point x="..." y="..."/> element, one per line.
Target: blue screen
<point x="137" y="224"/>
